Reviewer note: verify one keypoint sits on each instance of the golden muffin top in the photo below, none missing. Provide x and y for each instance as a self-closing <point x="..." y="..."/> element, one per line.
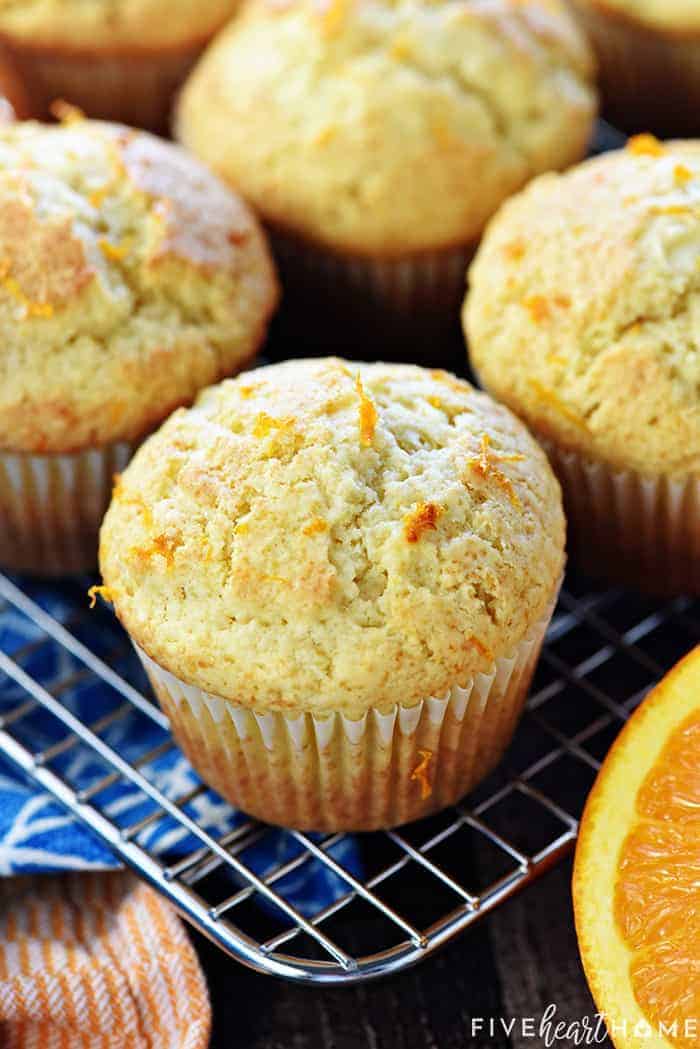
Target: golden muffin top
<point x="670" y="15"/>
<point x="330" y="535"/>
<point x="130" y="278"/>
<point x="111" y="25"/>
<point x="389" y="126"/>
<point x="584" y="310"/>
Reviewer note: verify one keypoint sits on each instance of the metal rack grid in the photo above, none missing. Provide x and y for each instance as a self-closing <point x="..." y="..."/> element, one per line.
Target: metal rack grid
<point x="408" y="891"/>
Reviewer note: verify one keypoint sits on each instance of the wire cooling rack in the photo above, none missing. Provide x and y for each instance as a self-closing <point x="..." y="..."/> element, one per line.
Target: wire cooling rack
<point x="403" y="893"/>
<point x="407" y="891"/>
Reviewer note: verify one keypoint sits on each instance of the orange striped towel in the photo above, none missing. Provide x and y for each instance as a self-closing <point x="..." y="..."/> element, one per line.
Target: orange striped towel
<point x="96" y="961"/>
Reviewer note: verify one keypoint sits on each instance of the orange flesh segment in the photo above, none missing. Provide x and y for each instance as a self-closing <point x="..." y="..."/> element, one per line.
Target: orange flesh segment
<point x="657" y="893"/>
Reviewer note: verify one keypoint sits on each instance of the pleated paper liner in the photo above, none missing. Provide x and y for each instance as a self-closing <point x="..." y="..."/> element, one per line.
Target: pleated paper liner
<point x="623" y="527"/>
<point x="137" y="89"/>
<point x="650" y="78"/>
<point x="329" y="772"/>
<point x="390" y="308"/>
<point x="51" y="508"/>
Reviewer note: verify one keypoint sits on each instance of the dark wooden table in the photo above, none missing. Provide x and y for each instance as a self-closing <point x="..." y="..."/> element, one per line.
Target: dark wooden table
<point x="512" y="964"/>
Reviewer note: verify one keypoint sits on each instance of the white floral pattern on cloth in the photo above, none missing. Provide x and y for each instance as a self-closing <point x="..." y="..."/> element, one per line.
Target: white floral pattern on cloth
<point x="36" y="833"/>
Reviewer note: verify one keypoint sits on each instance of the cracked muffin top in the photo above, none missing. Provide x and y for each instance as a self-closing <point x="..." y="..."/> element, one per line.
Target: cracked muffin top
<point x="584" y="309"/>
<point x="330" y="535"/>
<point x="110" y="25"/>
<point x="383" y="127"/>
<point x="130" y="278"/>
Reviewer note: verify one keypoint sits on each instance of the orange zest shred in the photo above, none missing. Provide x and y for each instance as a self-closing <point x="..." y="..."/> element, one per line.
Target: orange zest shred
<point x="40" y="309"/>
<point x="266" y="424"/>
<point x="143" y="509"/>
<point x="672" y="209"/>
<point x="514" y="250"/>
<point x="368" y="415"/>
<point x="421" y="520"/>
<point x="316" y="527"/>
<point x="538" y="308"/>
<point x="555" y="358"/>
<point x="549" y="396"/>
<point x="485" y="465"/>
<point x="481" y="648"/>
<point x="165" y="546"/>
<point x="682" y="174"/>
<point x="645" y="145"/>
<point x="324" y="135"/>
<point x="32" y="309"/>
<point x="114" y="252"/>
<point x="126" y="498"/>
<point x="97" y="196"/>
<point x="400" y="48"/>
<point x="66" y="113"/>
<point x="421" y="773"/>
<point x="161" y="545"/>
<point x="105" y="592"/>
<point x="333" y="16"/>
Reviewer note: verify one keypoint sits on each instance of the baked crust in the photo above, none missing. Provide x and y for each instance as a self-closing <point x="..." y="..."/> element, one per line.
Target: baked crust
<point x="112" y="26"/>
<point x="130" y="278"/>
<point x="322" y="535"/>
<point x="382" y="128"/>
<point x="584" y="304"/>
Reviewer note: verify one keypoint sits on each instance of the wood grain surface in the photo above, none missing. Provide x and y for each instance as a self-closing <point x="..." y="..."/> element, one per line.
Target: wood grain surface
<point x="512" y="964"/>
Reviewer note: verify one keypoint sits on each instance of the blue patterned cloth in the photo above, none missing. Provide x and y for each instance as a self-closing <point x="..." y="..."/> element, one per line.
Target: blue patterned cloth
<point x="36" y="833"/>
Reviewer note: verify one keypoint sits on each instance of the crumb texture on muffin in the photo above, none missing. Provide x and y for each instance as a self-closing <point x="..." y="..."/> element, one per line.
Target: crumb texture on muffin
<point x="388" y="127"/>
<point x="584" y="308"/>
<point x="282" y="546"/>
<point x="130" y="278"/>
<point x="112" y="24"/>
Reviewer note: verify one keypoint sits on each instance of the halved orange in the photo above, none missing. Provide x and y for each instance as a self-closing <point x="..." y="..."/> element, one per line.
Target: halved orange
<point x="637" y="872"/>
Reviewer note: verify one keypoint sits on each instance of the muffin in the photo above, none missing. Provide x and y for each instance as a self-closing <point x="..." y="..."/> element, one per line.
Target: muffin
<point x="649" y="57"/>
<point x="130" y="278"/>
<point x="376" y="138"/>
<point x="583" y="318"/>
<point x="338" y="577"/>
<point x="115" y="59"/>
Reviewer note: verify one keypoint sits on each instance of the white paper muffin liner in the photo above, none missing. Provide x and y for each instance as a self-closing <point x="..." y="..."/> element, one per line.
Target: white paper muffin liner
<point x="330" y="772"/>
<point x="646" y="74"/>
<point x="51" y="507"/>
<point x="627" y="528"/>
<point x="404" y="299"/>
<point x="136" y="89"/>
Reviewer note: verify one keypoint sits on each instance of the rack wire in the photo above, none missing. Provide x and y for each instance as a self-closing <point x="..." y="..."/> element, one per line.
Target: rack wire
<point x="390" y="898"/>
<point x="406" y="892"/>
